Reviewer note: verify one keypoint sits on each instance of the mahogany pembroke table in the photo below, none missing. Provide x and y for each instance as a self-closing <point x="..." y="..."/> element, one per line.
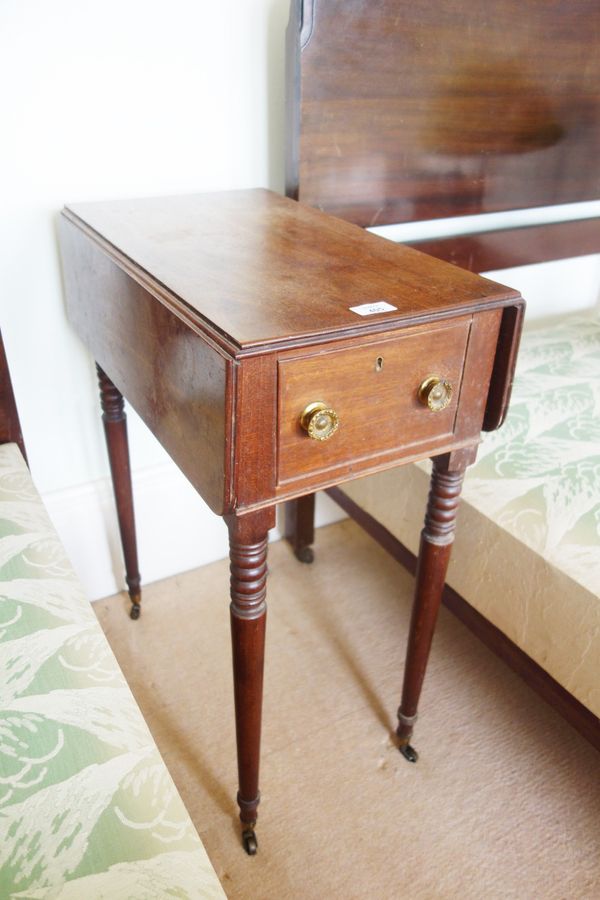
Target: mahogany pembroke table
<point x="275" y="350"/>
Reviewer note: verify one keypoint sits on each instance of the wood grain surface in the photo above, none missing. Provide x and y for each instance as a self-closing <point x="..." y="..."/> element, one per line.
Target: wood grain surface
<point x="516" y="246"/>
<point x="400" y="111"/>
<point x="378" y="408"/>
<point x="257" y="269"/>
<point x="171" y="376"/>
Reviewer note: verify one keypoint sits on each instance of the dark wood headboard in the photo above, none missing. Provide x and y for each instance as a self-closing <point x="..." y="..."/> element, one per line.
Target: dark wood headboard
<point x="10" y="426"/>
<point x="401" y="110"/>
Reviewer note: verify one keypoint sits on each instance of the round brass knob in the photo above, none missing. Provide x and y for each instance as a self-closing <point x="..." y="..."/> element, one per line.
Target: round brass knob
<point x="319" y="421"/>
<point x="435" y="392"/>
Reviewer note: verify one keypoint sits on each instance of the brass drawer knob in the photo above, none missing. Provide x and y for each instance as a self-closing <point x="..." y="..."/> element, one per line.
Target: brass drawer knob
<point x="435" y="392"/>
<point x="319" y="421"/>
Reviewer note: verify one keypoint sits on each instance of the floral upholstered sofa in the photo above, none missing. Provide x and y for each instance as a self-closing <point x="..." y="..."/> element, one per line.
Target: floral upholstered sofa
<point x="527" y="551"/>
<point x="87" y="807"/>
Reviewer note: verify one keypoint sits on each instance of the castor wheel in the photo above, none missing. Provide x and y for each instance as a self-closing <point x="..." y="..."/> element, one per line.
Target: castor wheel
<point x="305" y="554"/>
<point x="250" y="842"/>
<point x="409" y="753"/>
<point x="135" y="610"/>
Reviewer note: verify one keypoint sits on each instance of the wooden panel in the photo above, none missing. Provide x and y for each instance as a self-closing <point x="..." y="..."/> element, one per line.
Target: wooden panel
<point x="255" y="430"/>
<point x="259" y="269"/>
<point x="479" y="361"/>
<point x="505" y="363"/>
<point x="10" y="427"/>
<point x="168" y="372"/>
<point x="516" y="246"/>
<point x="377" y="404"/>
<point x="404" y="111"/>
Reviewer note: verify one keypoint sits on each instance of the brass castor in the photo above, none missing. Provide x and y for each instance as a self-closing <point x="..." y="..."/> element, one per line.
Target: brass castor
<point x="249" y="841"/>
<point x="409" y="753"/>
<point x="305" y="554"/>
<point x="135" y="611"/>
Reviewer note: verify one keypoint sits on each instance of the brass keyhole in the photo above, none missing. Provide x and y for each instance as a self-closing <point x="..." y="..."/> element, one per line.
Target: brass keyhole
<point x="379" y="364"/>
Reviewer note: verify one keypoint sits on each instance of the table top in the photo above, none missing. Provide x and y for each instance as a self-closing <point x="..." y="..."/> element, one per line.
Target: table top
<point x="259" y="269"/>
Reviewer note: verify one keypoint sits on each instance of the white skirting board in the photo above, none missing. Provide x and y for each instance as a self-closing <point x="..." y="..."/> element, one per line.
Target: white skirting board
<point x="176" y="531"/>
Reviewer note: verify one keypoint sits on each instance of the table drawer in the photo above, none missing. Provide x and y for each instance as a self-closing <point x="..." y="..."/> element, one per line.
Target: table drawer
<point x="374" y="390"/>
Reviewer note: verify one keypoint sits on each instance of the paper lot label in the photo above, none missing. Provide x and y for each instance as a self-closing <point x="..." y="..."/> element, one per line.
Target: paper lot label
<point x="370" y="309"/>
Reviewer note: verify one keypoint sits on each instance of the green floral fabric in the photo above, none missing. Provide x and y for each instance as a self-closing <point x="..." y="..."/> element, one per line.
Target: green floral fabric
<point x="539" y="475"/>
<point x="87" y="806"/>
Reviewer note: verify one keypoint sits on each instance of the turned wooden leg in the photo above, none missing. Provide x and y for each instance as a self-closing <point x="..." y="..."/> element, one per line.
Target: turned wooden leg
<point x="300" y="526"/>
<point x="115" y="429"/>
<point x="434" y="554"/>
<point x="248" y="565"/>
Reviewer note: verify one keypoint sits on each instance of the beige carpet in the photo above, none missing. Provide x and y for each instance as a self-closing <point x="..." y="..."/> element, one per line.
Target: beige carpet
<point x="503" y="803"/>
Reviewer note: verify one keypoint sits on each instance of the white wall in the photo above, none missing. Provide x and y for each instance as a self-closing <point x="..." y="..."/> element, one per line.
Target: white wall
<point x="112" y="99"/>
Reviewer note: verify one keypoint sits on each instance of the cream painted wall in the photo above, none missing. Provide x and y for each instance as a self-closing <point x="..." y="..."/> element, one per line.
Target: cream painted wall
<point x="115" y="99"/>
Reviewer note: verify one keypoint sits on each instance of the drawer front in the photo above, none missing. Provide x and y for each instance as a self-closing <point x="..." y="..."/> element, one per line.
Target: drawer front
<point x="373" y="388"/>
